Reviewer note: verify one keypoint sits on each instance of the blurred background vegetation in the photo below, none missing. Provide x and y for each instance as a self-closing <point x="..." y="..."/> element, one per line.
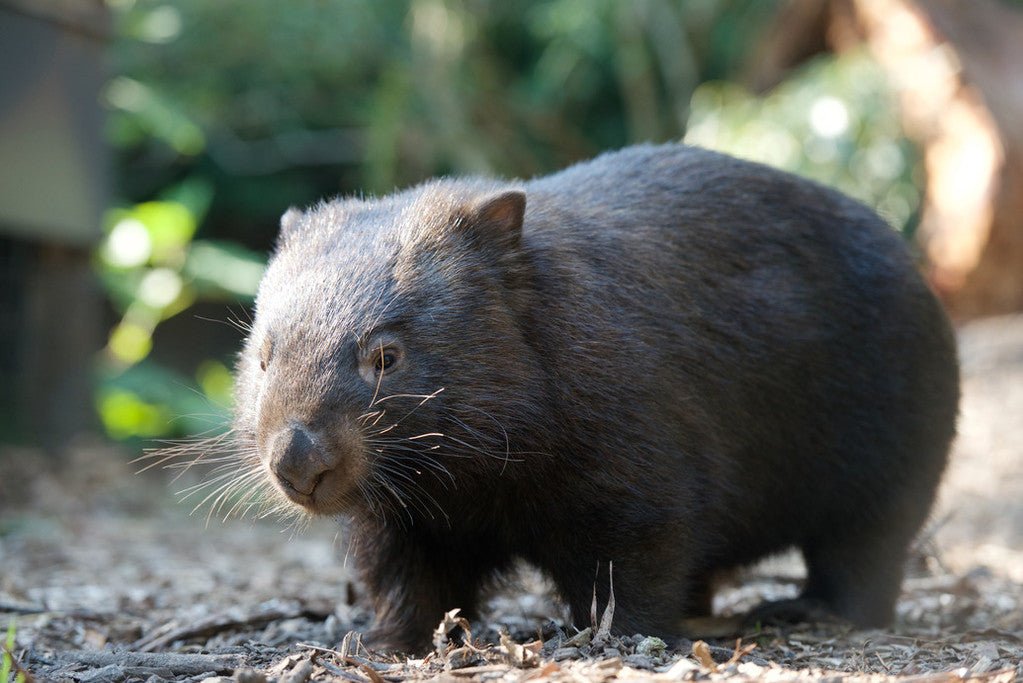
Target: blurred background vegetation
<point x="223" y="114"/>
<point x="226" y="113"/>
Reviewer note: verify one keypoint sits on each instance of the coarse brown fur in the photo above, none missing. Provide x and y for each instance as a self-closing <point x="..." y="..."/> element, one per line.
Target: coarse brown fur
<point x="665" y="358"/>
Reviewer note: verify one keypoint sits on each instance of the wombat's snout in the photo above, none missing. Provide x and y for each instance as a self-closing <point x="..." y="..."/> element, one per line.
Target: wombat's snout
<point x="298" y="462"/>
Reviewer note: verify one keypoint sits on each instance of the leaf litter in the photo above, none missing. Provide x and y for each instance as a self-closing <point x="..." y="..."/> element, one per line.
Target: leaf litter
<point x="106" y="580"/>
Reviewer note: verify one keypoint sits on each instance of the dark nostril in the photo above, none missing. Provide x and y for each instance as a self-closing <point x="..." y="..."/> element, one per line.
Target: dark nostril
<point x="296" y="460"/>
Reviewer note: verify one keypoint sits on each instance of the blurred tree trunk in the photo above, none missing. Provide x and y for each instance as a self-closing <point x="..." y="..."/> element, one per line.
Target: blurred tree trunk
<point x="955" y="67"/>
<point x="987" y="37"/>
<point x="54" y="186"/>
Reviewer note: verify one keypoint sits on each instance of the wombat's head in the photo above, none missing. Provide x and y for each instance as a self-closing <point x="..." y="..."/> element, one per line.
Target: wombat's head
<point x="386" y="363"/>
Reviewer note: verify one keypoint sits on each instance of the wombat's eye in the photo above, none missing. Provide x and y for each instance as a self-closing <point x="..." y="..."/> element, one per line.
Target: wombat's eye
<point x="266" y="353"/>
<point x="380" y="359"/>
<point x="385" y="360"/>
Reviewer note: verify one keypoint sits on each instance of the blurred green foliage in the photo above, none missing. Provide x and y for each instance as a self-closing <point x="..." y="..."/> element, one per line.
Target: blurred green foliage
<point x="153" y="268"/>
<point x="225" y="113"/>
<point x="835" y="121"/>
<point x="7" y="657"/>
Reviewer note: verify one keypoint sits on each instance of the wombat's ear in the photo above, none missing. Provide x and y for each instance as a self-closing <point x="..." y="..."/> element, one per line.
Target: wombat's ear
<point x="498" y="218"/>
<point x="289" y="221"/>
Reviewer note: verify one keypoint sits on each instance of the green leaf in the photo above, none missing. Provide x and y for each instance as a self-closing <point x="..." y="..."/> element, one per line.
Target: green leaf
<point x="125" y="415"/>
<point x="216" y="381"/>
<point x="7" y="662"/>
<point x="171" y="227"/>
<point x="148" y="401"/>
<point x="223" y="267"/>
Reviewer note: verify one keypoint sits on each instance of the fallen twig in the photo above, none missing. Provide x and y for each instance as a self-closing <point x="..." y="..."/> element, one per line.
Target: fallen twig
<point x="21" y="608"/>
<point x="172" y="661"/>
<point x="218" y="623"/>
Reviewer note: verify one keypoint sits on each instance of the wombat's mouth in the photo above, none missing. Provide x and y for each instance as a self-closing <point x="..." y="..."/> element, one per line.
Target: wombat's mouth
<point x="329" y="493"/>
<point x="311" y="468"/>
<point x="296" y="496"/>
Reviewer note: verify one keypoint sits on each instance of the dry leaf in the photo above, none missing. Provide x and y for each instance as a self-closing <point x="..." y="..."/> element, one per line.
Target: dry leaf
<point x="520" y="655"/>
<point x="741" y="651"/>
<point x="450" y="621"/>
<point x="548" y="669"/>
<point x="603" y="631"/>
<point x="702" y="653"/>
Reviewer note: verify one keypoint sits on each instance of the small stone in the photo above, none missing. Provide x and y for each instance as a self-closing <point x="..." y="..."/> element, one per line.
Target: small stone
<point x="651" y="646"/>
<point x="249" y="676"/>
<point x="580" y="639"/>
<point x="563" y="653"/>
<point x="638" y="661"/>
<point x="301" y="673"/>
<point x="678" y="669"/>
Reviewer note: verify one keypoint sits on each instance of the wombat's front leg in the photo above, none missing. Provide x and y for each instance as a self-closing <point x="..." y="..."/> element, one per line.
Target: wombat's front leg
<point x="412" y="584"/>
<point x="654" y="594"/>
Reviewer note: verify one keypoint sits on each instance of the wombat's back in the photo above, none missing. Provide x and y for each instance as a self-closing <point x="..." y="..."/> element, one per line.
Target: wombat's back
<point x="760" y="345"/>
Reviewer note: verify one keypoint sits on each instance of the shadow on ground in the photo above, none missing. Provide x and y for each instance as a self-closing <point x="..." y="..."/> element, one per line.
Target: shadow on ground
<point x="106" y="578"/>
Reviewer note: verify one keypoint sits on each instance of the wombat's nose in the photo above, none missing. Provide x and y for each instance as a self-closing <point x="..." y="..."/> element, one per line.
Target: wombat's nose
<point x="296" y="460"/>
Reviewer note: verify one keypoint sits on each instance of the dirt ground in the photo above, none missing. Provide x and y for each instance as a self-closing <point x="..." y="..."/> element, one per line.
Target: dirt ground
<point x="106" y="578"/>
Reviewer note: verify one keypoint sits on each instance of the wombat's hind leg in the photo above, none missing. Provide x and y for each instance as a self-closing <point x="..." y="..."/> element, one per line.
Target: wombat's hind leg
<point x="855" y="578"/>
<point x="858" y="580"/>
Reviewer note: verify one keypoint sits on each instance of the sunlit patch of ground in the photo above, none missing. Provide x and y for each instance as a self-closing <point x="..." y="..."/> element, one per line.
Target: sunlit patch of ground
<point x="107" y="579"/>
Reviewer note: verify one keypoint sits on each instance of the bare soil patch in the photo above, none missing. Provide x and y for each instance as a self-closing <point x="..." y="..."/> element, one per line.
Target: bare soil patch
<point x="108" y="579"/>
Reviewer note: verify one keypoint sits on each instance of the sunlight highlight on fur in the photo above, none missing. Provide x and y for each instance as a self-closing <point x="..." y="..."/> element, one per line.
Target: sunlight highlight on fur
<point x="235" y="483"/>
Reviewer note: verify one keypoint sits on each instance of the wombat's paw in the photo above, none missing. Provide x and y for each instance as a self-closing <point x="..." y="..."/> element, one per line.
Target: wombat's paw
<point x="787" y="612"/>
<point x="383" y="639"/>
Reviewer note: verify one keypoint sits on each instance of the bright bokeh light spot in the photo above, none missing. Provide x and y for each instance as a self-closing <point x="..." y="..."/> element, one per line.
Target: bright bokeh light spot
<point x="130" y="342"/>
<point x="884" y="160"/>
<point x="125" y="415"/>
<point x="170" y="225"/>
<point x="769" y="144"/>
<point x="127" y="94"/>
<point x="829" y="117"/>
<point x="216" y="381"/>
<point x="162" y="25"/>
<point x="128" y="245"/>
<point x="160" y="288"/>
<point x="821" y="151"/>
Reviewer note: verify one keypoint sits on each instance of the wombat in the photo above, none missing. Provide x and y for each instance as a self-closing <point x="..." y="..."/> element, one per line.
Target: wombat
<point x="664" y="358"/>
